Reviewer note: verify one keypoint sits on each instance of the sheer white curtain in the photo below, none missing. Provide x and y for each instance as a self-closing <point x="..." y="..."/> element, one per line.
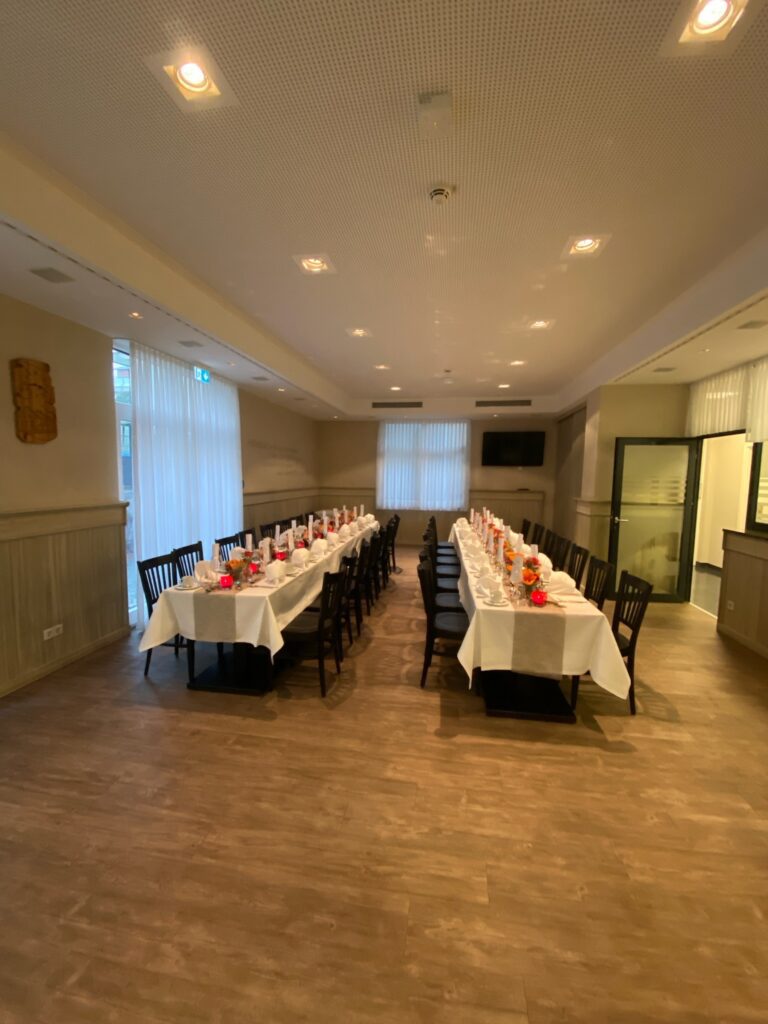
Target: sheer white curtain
<point x="733" y="400"/>
<point x="718" y="404"/>
<point x="187" y="466"/>
<point x="757" y="402"/>
<point x="423" y="466"/>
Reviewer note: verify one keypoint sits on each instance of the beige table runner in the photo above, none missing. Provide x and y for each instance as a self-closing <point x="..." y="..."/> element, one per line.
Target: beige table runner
<point x="539" y="640"/>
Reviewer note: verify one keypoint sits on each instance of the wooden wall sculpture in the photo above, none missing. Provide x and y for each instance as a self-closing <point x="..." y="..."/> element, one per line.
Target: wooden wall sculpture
<point x="34" y="401"/>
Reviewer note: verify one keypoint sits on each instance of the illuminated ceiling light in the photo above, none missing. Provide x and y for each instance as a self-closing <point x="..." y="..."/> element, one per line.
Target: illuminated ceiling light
<point x="517" y="362"/>
<point x="712" y="21"/>
<point x="395" y="388"/>
<point x="358" y="332"/>
<point x="315" y="263"/>
<point x="585" y="245"/>
<point x="381" y="366"/>
<point x="281" y="389"/>
<point x="540" y="325"/>
<point x="504" y="385"/>
<point x="136" y="315"/>
<point x="193" y="77"/>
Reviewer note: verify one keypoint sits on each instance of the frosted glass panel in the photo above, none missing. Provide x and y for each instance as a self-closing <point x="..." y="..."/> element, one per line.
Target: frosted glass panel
<point x="652" y="513"/>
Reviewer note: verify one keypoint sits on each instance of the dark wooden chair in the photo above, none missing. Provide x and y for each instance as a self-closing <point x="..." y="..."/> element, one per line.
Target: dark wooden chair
<point x="316" y="633"/>
<point x="226" y="544"/>
<point x="599" y="576"/>
<point x="393" y="538"/>
<point x="156" y="575"/>
<point x="267" y="530"/>
<point x="440" y="558"/>
<point x="359" y="586"/>
<point x="629" y="611"/>
<point x="525" y="529"/>
<point x="446" y="590"/>
<point x="441" y="625"/>
<point x="577" y="563"/>
<point x="561" y="549"/>
<point x="448" y="584"/>
<point x="241" y="537"/>
<point x="445" y="546"/>
<point x="385" y="553"/>
<point x="536" y="534"/>
<point x="547" y="544"/>
<point x="186" y="558"/>
<point x="347" y="602"/>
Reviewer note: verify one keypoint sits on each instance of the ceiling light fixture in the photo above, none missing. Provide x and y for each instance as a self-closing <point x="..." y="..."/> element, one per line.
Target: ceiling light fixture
<point x="517" y="362"/>
<point x="585" y="245"/>
<point x="358" y="332"/>
<point x="192" y="76"/>
<point x="381" y="366"/>
<point x="136" y="315"/>
<point x="712" y="21"/>
<point x="504" y="385"/>
<point x="315" y="263"/>
<point x="281" y="389"/>
<point x="395" y="388"/>
<point x="540" y="325"/>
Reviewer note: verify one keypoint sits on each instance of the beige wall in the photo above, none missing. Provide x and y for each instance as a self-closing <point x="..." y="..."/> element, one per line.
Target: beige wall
<point x="62" y="540"/>
<point x="80" y="466"/>
<point x="569" y="469"/>
<point x="280" y="461"/>
<point x="723" y="492"/>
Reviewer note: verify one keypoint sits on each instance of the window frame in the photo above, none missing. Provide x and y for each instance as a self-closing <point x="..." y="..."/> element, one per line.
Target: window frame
<point x="752" y="524"/>
<point x="425" y="505"/>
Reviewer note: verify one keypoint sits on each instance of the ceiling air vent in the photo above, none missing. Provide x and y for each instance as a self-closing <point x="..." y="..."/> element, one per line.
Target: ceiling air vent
<point x="259" y="378"/>
<point x="397" y="405"/>
<point x="52" y="275"/>
<point x="502" y="403"/>
<point x="665" y="369"/>
<point x="191" y="344"/>
<point x="753" y="325"/>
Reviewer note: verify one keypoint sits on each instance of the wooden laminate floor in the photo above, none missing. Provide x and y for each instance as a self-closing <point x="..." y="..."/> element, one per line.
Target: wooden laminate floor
<point x="388" y="854"/>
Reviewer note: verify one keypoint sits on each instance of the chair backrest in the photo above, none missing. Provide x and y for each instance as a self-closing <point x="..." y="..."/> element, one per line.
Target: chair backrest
<point x="396" y="520"/>
<point x="349" y="573"/>
<point x="226" y="544"/>
<point x="536" y="534"/>
<point x="632" y="600"/>
<point x="373" y="558"/>
<point x="577" y="563"/>
<point x="386" y="544"/>
<point x="525" y="529"/>
<point x="548" y="542"/>
<point x="599" y="576"/>
<point x="330" y="599"/>
<point x="363" y="560"/>
<point x="427" y="584"/>
<point x="561" y="548"/>
<point x="187" y="558"/>
<point x="267" y="530"/>
<point x="156" y="574"/>
<point x="244" y="533"/>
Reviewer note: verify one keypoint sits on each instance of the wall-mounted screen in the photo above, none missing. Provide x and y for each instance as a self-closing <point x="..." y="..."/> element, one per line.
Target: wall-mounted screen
<point x="518" y="448"/>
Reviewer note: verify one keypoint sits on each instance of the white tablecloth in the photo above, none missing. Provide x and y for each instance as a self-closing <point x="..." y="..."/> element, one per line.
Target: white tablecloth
<point x="584" y="643"/>
<point x="255" y="615"/>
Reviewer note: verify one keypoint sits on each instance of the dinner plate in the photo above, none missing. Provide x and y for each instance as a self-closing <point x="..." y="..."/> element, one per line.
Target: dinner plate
<point x="179" y="586"/>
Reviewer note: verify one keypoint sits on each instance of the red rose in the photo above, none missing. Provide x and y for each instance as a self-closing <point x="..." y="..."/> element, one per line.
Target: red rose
<point x="226" y="582"/>
<point x="280" y="556"/>
<point x="539" y="597"/>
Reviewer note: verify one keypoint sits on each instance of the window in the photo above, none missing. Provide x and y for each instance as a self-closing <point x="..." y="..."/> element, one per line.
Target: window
<point x="423" y="466"/>
<point x="757" y="508"/>
<point x="121" y="378"/>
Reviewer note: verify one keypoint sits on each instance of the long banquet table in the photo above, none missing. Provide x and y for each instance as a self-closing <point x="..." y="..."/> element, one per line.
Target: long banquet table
<point x="569" y="639"/>
<point x="255" y="615"/>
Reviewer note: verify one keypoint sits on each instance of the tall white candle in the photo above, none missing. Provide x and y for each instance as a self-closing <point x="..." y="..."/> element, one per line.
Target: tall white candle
<point x="249" y="541"/>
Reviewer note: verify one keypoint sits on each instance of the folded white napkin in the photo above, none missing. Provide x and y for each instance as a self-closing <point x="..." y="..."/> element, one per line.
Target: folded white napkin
<point x="299" y="557"/>
<point x="204" y="572"/>
<point x="333" y="539"/>
<point x="561" y="582"/>
<point x="236" y="553"/>
<point x="344" y="532"/>
<point x="276" y="571"/>
<point x="319" y="547"/>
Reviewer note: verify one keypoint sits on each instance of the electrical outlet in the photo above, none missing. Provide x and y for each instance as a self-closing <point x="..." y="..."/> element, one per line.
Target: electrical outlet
<point x="52" y="631"/>
<point x="730" y="605"/>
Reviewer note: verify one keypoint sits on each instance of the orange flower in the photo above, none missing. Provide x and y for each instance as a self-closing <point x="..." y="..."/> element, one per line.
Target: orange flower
<point x="530" y="577"/>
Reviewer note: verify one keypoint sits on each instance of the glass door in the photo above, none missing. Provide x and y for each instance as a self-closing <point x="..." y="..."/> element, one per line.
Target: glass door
<point x="653" y="510"/>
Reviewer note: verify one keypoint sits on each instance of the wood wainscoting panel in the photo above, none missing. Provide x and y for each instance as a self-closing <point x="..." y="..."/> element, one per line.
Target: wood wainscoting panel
<point x="269" y="506"/>
<point x="74" y="579"/>
<point x="743" y="612"/>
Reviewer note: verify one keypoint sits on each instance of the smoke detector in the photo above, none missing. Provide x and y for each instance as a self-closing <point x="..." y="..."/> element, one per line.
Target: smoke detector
<point x="440" y="194"/>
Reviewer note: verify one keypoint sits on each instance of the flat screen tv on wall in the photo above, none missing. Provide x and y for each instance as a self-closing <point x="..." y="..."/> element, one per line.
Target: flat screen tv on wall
<point x="518" y="448"/>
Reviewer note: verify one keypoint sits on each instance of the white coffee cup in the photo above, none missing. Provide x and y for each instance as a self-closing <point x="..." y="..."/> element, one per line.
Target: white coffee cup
<point x="188" y="582"/>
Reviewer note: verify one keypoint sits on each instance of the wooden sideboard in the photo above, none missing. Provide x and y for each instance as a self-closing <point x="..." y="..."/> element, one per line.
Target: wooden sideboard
<point x="743" y="612"/>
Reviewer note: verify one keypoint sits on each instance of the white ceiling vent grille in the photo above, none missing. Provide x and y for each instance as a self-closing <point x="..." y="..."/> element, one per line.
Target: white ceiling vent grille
<point x="397" y="405"/>
<point x="191" y="344"/>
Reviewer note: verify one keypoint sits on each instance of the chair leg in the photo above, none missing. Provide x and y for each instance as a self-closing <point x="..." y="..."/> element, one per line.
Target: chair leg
<point x="321" y="671"/>
<point x="337" y="652"/>
<point x="427" y="658"/>
<point x="631" y="670"/>
<point x="574" y="691"/>
<point x="349" y="621"/>
<point x="148" y="659"/>
<point x="191" y="660"/>
<point x="219" y="653"/>
<point x="359" y="612"/>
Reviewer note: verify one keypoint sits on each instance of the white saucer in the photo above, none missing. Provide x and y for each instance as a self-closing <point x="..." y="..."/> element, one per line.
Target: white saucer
<point x="495" y="604"/>
<point x="180" y="586"/>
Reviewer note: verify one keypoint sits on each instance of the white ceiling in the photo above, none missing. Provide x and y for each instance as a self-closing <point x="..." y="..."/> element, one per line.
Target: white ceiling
<point x="568" y="119"/>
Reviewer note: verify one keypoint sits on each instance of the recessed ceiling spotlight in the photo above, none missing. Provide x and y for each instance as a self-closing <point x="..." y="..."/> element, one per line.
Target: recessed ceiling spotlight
<point x="504" y="385"/>
<point x="540" y="325"/>
<point x="448" y="380"/>
<point x="381" y="366"/>
<point x="585" y="245"/>
<point x="281" y="389"/>
<point x="705" y="350"/>
<point x="358" y="332"/>
<point x="192" y="76"/>
<point x="711" y="21"/>
<point x="395" y="388"/>
<point x="135" y="315"/>
<point x="315" y="263"/>
<point x="335" y="417"/>
<point x="517" y="362"/>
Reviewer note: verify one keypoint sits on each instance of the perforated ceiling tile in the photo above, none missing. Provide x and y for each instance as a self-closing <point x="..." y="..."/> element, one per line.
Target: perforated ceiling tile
<point x="567" y="119"/>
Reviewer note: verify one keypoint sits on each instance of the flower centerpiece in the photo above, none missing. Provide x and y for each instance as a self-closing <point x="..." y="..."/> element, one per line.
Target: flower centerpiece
<point x="240" y="569"/>
<point x="531" y="579"/>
